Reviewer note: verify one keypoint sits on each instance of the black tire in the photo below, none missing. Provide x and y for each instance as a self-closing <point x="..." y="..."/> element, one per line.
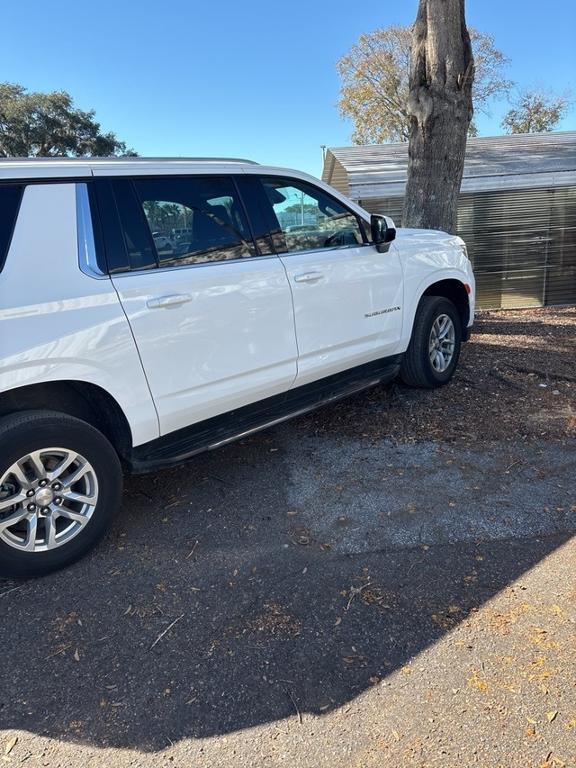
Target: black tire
<point x="28" y="431"/>
<point x="417" y="369"/>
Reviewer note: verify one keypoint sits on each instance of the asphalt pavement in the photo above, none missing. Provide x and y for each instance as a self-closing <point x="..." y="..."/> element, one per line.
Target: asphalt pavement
<point x="308" y="600"/>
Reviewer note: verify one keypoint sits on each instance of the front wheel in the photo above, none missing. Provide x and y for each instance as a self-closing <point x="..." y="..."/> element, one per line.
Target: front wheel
<point x="60" y="484"/>
<point x="434" y="349"/>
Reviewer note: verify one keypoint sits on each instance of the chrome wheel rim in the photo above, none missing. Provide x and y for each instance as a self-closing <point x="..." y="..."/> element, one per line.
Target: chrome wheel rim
<point x="442" y="343"/>
<point x="47" y="498"/>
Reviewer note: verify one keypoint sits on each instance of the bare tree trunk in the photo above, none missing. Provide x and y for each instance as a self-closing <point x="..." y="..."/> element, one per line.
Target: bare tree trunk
<point x="440" y="107"/>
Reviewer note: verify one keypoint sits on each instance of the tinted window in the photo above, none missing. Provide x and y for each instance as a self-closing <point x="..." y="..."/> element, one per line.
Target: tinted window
<point x="257" y="208"/>
<point x="308" y="218"/>
<point x="108" y="231"/>
<point x="138" y="242"/>
<point x="194" y="220"/>
<point x="9" y="203"/>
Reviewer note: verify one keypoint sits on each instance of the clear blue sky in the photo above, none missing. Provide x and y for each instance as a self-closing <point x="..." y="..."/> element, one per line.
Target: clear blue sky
<point x="251" y="78"/>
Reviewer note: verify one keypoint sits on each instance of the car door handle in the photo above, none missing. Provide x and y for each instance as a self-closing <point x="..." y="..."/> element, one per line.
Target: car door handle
<point x="173" y="300"/>
<point x="308" y="277"/>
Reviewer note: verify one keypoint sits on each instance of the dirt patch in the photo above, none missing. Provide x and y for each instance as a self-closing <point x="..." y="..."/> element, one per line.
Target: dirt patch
<point x="516" y="381"/>
<point x="272" y="622"/>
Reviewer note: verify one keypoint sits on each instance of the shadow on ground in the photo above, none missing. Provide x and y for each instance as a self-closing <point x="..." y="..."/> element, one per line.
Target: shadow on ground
<point x="252" y="585"/>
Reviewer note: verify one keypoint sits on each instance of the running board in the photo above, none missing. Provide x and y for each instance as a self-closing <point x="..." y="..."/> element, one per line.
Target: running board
<point x="207" y="435"/>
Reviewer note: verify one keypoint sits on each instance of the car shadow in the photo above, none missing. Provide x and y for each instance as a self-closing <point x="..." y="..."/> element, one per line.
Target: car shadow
<point x="245" y="588"/>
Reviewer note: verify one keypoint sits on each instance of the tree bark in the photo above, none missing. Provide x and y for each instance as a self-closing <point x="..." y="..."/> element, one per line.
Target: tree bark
<point x="440" y="108"/>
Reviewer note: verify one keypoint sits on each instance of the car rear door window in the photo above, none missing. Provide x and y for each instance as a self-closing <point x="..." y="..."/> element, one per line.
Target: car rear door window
<point x="194" y="220"/>
<point x="139" y="244"/>
<point x="308" y="218"/>
<point x="261" y="221"/>
<point x="10" y="196"/>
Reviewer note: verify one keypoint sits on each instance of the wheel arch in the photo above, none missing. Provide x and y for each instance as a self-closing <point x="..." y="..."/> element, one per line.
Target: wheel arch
<point x="84" y="400"/>
<point x="455" y="291"/>
<point x="451" y="284"/>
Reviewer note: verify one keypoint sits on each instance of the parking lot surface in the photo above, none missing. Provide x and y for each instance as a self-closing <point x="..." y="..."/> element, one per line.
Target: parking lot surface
<point x="390" y="581"/>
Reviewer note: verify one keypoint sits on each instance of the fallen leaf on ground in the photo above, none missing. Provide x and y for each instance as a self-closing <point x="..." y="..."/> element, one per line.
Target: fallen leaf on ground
<point x="474" y="681"/>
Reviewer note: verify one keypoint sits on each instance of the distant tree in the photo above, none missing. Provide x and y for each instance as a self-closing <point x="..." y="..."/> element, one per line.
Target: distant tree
<point x="305" y="207"/>
<point x="375" y="74"/>
<point x="164" y="216"/>
<point x="535" y="112"/>
<point x="34" y="124"/>
<point x="440" y="109"/>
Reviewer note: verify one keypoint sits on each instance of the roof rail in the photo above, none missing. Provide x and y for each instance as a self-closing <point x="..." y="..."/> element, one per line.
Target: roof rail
<point x="130" y="159"/>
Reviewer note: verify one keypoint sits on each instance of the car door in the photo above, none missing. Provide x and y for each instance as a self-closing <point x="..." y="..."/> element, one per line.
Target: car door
<point x="347" y="296"/>
<point x="211" y="314"/>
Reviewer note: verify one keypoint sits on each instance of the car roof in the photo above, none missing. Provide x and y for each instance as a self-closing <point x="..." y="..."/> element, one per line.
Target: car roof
<point x="73" y="168"/>
<point x="76" y="167"/>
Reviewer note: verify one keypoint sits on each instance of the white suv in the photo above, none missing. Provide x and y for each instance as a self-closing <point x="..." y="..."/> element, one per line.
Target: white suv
<point x="116" y="354"/>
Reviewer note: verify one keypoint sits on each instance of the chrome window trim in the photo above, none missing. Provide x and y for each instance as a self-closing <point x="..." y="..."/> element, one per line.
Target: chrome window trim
<point x="245" y="260"/>
<point x="87" y="260"/>
<point x="326" y="250"/>
<point x="203" y="264"/>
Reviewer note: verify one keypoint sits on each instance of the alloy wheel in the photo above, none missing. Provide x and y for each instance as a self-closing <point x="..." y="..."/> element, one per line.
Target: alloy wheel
<point x="47" y="498"/>
<point x="442" y="343"/>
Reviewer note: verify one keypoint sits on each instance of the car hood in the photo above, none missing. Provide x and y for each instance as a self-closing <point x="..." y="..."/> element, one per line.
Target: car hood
<point x="427" y="237"/>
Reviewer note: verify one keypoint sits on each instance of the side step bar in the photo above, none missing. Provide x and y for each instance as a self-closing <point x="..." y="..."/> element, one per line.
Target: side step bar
<point x="183" y="444"/>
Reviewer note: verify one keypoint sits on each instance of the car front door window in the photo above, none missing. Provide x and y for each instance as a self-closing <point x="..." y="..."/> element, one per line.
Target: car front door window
<point x="308" y="219"/>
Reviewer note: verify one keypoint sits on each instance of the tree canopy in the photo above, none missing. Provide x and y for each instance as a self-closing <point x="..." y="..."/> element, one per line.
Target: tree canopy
<point x="375" y="82"/>
<point x="535" y="112"/>
<point x="34" y="124"/>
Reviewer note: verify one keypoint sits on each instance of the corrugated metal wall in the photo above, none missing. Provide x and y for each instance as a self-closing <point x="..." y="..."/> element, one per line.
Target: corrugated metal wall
<point x="522" y="244"/>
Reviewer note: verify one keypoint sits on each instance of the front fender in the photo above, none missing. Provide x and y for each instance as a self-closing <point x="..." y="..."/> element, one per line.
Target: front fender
<point x="416" y="288"/>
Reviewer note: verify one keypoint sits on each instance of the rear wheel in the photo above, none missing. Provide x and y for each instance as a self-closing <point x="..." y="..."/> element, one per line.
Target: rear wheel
<point x="434" y="349"/>
<point x="60" y="484"/>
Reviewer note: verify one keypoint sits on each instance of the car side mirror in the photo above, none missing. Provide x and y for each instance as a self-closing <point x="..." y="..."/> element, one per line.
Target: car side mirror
<point x="383" y="232"/>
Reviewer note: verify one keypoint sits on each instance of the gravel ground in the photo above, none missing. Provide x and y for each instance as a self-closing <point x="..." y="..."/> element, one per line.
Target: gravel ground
<point x="516" y="382"/>
<point x="389" y="581"/>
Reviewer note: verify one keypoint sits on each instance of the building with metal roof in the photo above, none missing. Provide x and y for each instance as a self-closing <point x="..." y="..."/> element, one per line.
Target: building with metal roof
<point x="517" y="209"/>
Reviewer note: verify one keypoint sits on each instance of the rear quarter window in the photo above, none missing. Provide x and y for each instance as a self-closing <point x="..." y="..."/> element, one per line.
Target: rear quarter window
<point x="10" y="196"/>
